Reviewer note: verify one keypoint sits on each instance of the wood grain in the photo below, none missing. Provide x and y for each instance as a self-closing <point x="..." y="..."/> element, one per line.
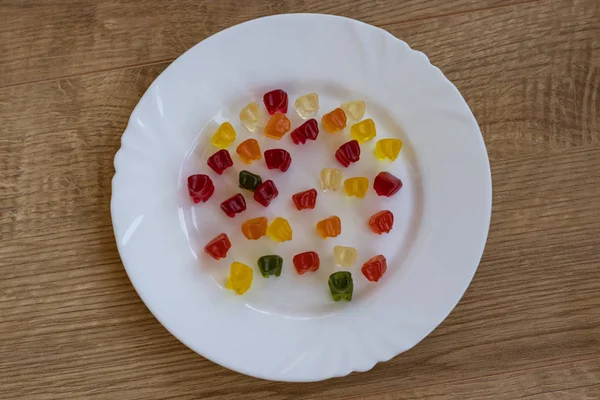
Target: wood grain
<point x="84" y="36"/>
<point x="72" y="326"/>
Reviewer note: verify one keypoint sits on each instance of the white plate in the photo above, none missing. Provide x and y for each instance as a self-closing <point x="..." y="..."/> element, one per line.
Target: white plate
<point x="288" y="328"/>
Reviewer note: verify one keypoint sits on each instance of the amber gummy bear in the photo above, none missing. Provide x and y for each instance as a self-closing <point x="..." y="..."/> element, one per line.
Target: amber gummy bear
<point x="334" y="121"/>
<point x="329" y="227"/>
<point x="249" y="151"/>
<point x="255" y="228"/>
<point x="277" y="126"/>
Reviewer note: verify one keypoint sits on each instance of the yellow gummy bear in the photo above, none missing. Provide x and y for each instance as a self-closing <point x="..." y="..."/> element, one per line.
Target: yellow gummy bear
<point x="240" y="277"/>
<point x="363" y="131"/>
<point x="224" y="136"/>
<point x="251" y="116"/>
<point x="331" y="179"/>
<point x="356" y="186"/>
<point x="345" y="256"/>
<point x="388" y="148"/>
<point x="354" y="110"/>
<point x="307" y="105"/>
<point x="280" y="230"/>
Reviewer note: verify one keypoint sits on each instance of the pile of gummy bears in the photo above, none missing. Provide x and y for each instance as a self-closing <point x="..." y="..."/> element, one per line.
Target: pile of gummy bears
<point x="201" y="187"/>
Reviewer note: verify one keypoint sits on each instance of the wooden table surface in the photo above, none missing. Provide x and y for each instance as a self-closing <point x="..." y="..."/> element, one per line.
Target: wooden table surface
<point x="71" y="324"/>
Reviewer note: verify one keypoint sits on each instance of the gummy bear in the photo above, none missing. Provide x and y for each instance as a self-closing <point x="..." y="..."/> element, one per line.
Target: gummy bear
<point x="331" y="179"/>
<point x="306" y="199"/>
<point x="249" y="181"/>
<point x="356" y="186"/>
<point x="354" y="110"/>
<point x="280" y="230"/>
<point x="334" y="121"/>
<point x="307" y="105"/>
<point x="276" y="101"/>
<point x="249" y="151"/>
<point x="250" y="116"/>
<point x="240" y="277"/>
<point x="307" y="261"/>
<point x="270" y="265"/>
<point x="345" y="256"/>
<point x="382" y="222"/>
<point x="348" y="153"/>
<point x="266" y="192"/>
<point x="277" y="126"/>
<point x="363" y="131"/>
<point x="374" y="268"/>
<point x="386" y="184"/>
<point x="220" y="161"/>
<point x="278" y="159"/>
<point x="200" y="187"/>
<point x="255" y="228"/>
<point x="224" y="136"/>
<point x="388" y="148"/>
<point x="329" y="227"/>
<point x="234" y="205"/>
<point x="308" y="130"/>
<point x="341" y="285"/>
<point x="218" y="247"/>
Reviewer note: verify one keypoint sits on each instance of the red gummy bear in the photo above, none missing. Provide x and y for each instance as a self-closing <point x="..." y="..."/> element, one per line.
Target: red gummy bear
<point x="234" y="205"/>
<point x="266" y="192"/>
<point x="307" y="261"/>
<point x="308" y="130"/>
<point x="382" y="222"/>
<point x="374" y="268"/>
<point x="278" y="159"/>
<point x="306" y="199"/>
<point x="276" y="101"/>
<point x="386" y="184"/>
<point x="200" y="187"/>
<point x="348" y="153"/>
<point x="220" y="161"/>
<point x="218" y="247"/>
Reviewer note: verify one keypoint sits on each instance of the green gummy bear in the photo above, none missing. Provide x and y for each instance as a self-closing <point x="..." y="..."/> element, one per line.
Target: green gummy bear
<point x="249" y="181"/>
<point x="270" y="265"/>
<point x="341" y="285"/>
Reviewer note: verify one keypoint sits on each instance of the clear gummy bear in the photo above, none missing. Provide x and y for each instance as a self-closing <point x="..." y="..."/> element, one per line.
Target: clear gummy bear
<point x="307" y="105"/>
<point x="355" y="110"/>
<point x="251" y="116"/>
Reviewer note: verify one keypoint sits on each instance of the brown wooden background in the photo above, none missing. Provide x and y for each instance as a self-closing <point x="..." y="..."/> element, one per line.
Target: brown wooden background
<point x="72" y="326"/>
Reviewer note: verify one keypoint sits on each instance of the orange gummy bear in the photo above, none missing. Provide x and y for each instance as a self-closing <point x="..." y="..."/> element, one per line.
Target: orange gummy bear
<point x="329" y="227"/>
<point x="334" y="121"/>
<point x="255" y="228"/>
<point x="249" y="150"/>
<point x="277" y="126"/>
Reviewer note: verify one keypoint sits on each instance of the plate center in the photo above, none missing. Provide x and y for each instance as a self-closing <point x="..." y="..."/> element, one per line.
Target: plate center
<point x="291" y="295"/>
